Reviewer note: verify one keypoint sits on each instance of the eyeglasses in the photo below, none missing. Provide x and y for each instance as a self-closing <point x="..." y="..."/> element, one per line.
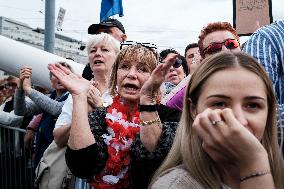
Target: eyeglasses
<point x="217" y="46"/>
<point x="8" y="85"/>
<point x="177" y="63"/>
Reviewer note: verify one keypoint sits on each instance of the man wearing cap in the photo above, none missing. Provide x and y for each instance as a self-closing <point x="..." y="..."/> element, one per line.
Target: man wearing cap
<point x="110" y="26"/>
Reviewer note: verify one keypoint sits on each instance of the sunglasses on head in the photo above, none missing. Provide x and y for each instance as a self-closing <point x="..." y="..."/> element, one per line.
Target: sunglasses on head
<point x="217" y="46"/>
<point x="147" y="45"/>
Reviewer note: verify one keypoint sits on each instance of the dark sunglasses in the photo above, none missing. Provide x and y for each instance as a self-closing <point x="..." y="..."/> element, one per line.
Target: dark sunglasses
<point x="177" y="63"/>
<point x="8" y="85"/>
<point x="217" y="46"/>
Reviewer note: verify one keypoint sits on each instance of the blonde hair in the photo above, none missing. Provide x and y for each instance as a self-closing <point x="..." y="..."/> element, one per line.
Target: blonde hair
<point x="132" y="53"/>
<point x="187" y="147"/>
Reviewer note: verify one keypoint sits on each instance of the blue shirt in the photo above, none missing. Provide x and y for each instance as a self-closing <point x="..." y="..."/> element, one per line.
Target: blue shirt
<point x="267" y="46"/>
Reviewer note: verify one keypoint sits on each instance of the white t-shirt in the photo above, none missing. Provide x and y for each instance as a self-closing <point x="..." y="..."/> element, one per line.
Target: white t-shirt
<point x="65" y="117"/>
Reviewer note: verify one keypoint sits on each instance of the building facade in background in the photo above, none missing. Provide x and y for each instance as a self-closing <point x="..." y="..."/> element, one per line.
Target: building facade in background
<point x="64" y="46"/>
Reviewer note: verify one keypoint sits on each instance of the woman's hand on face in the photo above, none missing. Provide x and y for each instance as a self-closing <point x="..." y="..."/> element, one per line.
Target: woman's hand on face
<point x="74" y="83"/>
<point x="25" y="82"/>
<point x="152" y="85"/>
<point x="226" y="139"/>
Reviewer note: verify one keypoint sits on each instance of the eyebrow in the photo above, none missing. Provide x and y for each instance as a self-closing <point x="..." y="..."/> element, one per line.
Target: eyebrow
<point x="247" y="97"/>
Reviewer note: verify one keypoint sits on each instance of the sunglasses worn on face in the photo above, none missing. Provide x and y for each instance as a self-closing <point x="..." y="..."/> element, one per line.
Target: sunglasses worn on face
<point x="177" y="63"/>
<point x="217" y="46"/>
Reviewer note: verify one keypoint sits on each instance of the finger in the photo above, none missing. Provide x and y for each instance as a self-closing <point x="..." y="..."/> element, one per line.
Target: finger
<point x="57" y="72"/>
<point x="215" y="117"/>
<point x="94" y="93"/>
<point x="25" y="76"/>
<point x="198" y="128"/>
<point x="63" y="68"/>
<point x="55" y="69"/>
<point x="206" y="123"/>
<point x="25" y="72"/>
<point x="229" y="117"/>
<point x="26" y="68"/>
<point x="170" y="60"/>
<point x="90" y="101"/>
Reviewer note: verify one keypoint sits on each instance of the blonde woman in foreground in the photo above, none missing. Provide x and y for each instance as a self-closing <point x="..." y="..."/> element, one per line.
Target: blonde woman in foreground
<point x="227" y="136"/>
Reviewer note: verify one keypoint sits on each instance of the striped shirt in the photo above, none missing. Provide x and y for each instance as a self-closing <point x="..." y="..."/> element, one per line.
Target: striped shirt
<point x="267" y="46"/>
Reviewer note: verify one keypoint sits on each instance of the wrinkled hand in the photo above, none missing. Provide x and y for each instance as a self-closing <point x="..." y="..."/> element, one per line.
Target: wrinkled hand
<point x="152" y="85"/>
<point x="28" y="139"/>
<point x="25" y="78"/>
<point x="94" y="96"/>
<point x="74" y="83"/>
<point x="227" y="140"/>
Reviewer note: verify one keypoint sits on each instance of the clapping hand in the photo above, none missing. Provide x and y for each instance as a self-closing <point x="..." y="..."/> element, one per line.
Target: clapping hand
<point x="25" y="82"/>
<point x="74" y="83"/>
<point x="94" y="95"/>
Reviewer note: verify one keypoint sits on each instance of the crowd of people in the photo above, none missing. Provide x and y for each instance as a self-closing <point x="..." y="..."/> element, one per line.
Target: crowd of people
<point x="138" y="118"/>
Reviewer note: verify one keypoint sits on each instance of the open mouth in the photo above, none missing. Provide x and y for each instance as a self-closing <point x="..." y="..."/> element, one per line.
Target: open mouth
<point x="131" y="87"/>
<point x="98" y="62"/>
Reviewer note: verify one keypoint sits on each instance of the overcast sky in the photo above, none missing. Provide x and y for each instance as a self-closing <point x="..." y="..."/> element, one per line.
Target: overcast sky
<point x="167" y="23"/>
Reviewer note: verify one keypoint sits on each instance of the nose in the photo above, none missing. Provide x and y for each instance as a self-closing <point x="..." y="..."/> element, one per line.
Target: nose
<point x="98" y="52"/>
<point x="171" y="69"/>
<point x="240" y="115"/>
<point x="132" y="73"/>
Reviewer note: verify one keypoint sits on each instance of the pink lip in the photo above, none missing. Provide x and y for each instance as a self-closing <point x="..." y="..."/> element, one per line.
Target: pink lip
<point x="172" y="75"/>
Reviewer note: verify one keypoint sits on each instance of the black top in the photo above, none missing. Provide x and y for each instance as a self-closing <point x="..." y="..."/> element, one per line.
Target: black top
<point x="87" y="162"/>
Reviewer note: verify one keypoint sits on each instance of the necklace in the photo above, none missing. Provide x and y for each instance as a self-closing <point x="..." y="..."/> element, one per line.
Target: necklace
<point x="122" y="129"/>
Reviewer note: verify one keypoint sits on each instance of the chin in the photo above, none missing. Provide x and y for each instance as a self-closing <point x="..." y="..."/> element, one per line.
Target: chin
<point x="175" y="82"/>
<point x="130" y="98"/>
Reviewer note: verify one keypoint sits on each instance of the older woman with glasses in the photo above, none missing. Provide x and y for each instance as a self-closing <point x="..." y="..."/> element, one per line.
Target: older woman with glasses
<point x="177" y="72"/>
<point x="121" y="145"/>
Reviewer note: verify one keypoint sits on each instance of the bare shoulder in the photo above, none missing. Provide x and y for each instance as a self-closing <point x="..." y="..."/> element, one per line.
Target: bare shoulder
<point x="176" y="178"/>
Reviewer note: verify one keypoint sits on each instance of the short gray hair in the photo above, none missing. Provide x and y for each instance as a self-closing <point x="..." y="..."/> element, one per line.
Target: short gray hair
<point x="106" y="38"/>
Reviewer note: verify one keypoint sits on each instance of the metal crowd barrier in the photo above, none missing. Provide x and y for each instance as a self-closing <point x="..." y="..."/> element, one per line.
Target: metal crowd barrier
<point x="16" y="171"/>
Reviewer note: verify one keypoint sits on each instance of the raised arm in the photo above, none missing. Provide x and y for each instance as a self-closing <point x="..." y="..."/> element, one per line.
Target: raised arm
<point x="23" y="107"/>
<point x="151" y="124"/>
<point x="84" y="156"/>
<point x="80" y="132"/>
<point x="45" y="103"/>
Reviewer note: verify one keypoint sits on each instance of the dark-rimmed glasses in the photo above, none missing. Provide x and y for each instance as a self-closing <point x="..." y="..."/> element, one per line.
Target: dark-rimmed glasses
<point x="177" y="63"/>
<point x="217" y="46"/>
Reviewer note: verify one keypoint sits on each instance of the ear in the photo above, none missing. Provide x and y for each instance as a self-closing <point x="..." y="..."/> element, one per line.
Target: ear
<point x="124" y="37"/>
<point x="192" y="108"/>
